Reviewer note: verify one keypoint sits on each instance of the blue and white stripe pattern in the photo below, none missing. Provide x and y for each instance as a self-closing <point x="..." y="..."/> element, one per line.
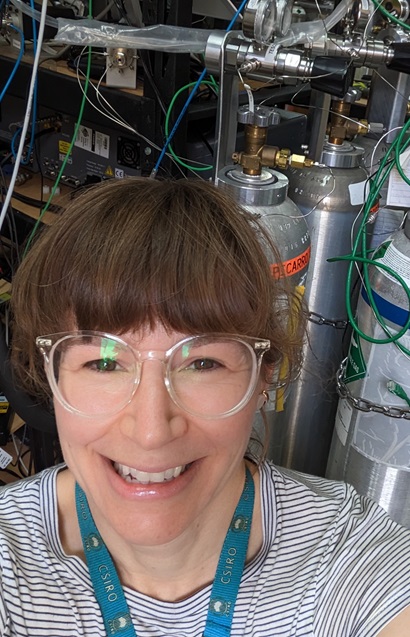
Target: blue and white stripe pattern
<point x="332" y="564"/>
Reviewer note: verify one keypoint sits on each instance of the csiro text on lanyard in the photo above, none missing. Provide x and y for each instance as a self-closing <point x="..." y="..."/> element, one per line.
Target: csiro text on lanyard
<point x="108" y="589"/>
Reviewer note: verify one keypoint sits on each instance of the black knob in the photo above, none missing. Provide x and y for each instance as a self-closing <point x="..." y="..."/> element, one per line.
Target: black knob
<point x="401" y="57"/>
<point x="332" y="75"/>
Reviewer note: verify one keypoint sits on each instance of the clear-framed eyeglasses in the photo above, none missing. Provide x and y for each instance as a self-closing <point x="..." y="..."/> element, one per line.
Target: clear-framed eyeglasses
<point x="95" y="374"/>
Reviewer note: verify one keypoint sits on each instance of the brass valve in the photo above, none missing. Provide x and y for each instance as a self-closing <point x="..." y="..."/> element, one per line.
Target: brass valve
<point x="341" y="125"/>
<point x="257" y="153"/>
<point x="271" y="156"/>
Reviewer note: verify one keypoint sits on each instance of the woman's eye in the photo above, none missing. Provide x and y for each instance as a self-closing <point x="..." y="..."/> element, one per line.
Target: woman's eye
<point x="102" y="365"/>
<point x="204" y="364"/>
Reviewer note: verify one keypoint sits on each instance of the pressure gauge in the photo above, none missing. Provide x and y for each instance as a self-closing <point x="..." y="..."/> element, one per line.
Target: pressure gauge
<point x="263" y="19"/>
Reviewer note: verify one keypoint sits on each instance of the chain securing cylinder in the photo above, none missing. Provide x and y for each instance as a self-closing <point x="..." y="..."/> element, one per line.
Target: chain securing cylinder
<point x="363" y="404"/>
<point x="318" y="319"/>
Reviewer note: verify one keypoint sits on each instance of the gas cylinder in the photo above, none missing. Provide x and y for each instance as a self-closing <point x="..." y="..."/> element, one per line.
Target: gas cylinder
<point x="371" y="442"/>
<point x="265" y="196"/>
<point x="330" y="196"/>
<point x="388" y="218"/>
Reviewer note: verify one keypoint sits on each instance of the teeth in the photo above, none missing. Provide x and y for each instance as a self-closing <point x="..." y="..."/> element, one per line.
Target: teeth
<point x="143" y="477"/>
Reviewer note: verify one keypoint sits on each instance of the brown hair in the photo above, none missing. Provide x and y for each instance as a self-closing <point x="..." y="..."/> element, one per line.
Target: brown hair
<point x="134" y="252"/>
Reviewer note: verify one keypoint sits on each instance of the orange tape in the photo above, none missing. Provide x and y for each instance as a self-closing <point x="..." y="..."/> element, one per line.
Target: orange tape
<point x="292" y="266"/>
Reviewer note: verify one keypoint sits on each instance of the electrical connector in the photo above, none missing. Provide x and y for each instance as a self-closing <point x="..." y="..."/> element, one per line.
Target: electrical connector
<point x="397" y="390"/>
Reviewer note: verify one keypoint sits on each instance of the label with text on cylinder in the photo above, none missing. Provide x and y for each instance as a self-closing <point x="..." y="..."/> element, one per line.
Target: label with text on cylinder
<point x="291" y="266"/>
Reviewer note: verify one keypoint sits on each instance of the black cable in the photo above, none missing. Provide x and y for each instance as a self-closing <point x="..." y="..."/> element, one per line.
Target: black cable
<point x="22" y="467"/>
<point x="19" y="464"/>
<point x="36" y="203"/>
<point x="149" y="76"/>
<point x="3" y="191"/>
<point x="11" y="247"/>
<point x="11" y="473"/>
<point x="14" y="236"/>
<point x="120" y="8"/>
<point x="31" y="465"/>
<point x="37" y="155"/>
<point x="206" y="143"/>
<point x="12" y="230"/>
<point x="24" y="452"/>
<point x="42" y="133"/>
<point x="6" y="159"/>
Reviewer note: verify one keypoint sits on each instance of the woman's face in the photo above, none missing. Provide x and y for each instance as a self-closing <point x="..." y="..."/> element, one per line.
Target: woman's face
<point x="185" y="470"/>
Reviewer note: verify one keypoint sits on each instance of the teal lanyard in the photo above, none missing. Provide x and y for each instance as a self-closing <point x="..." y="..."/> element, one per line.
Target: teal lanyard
<point x="110" y="595"/>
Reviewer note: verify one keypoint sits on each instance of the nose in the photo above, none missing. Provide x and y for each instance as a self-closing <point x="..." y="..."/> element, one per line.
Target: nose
<point x="151" y="419"/>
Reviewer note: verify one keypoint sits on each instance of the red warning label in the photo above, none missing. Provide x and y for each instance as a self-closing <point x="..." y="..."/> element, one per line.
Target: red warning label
<point x="292" y="266"/>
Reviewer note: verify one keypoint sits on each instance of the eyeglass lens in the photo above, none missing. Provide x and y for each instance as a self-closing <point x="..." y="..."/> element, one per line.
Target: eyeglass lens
<point x="209" y="376"/>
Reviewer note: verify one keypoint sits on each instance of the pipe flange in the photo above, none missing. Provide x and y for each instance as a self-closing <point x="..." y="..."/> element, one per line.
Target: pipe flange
<point x="342" y="155"/>
<point x="270" y="188"/>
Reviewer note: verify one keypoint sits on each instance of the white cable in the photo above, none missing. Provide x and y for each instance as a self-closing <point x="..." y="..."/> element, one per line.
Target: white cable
<point x="40" y="37"/>
<point x="117" y="119"/>
<point x="376" y="146"/>
<point x="19" y="458"/>
<point x="113" y="119"/>
<point x="248" y="90"/>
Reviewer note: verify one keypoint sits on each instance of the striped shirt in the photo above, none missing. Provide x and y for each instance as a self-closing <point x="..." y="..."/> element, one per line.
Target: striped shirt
<point x="332" y="564"/>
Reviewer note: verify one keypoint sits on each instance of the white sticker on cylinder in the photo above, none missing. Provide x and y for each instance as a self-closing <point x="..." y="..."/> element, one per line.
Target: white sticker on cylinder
<point x="357" y="193"/>
<point x="398" y="262"/>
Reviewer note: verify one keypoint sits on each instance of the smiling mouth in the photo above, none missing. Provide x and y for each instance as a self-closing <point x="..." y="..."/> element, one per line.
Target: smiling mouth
<point x="144" y="477"/>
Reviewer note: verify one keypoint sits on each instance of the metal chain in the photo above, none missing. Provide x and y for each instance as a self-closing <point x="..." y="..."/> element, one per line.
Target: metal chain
<point x="339" y="324"/>
<point x="362" y="404"/>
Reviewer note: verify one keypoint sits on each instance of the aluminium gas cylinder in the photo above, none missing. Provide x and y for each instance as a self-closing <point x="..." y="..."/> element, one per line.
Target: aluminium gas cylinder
<point x="330" y="196"/>
<point x="266" y="197"/>
<point x="371" y="442"/>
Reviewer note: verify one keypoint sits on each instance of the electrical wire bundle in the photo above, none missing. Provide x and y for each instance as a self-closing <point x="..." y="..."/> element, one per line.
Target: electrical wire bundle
<point x="107" y="110"/>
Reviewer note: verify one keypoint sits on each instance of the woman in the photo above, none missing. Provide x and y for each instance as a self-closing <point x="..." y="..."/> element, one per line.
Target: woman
<point x="149" y="314"/>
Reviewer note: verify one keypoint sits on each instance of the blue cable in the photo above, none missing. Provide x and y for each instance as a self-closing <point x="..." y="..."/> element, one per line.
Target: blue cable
<point x="14" y="141"/>
<point x="17" y="62"/>
<point x="235" y="17"/>
<point x="189" y="99"/>
<point x="25" y="161"/>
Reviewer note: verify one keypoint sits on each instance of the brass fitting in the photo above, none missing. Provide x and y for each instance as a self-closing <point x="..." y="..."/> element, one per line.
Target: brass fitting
<point x="271" y="156"/>
<point x="341" y="125"/>
<point x="363" y="127"/>
<point x="255" y="138"/>
<point x="300" y="161"/>
<point x="337" y="128"/>
<point x="251" y="164"/>
<point x="282" y="158"/>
